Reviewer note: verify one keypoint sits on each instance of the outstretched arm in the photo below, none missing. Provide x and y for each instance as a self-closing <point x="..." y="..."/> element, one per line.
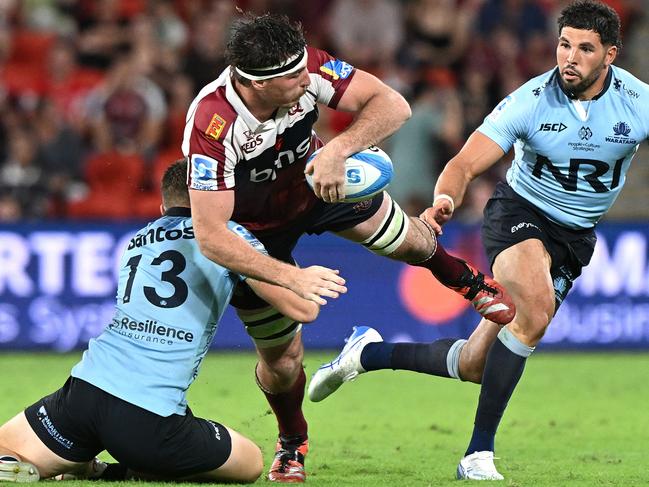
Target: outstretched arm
<point x="478" y="154"/>
<point x="211" y="211"/>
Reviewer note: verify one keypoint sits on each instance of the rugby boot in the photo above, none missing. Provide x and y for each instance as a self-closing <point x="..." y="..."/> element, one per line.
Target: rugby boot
<point x="478" y="466"/>
<point x="288" y="464"/>
<point x="345" y="367"/>
<point x="13" y="470"/>
<point x="487" y="296"/>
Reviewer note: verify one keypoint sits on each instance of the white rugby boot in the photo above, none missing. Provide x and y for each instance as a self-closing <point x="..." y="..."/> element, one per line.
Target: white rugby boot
<point x="345" y="367"/>
<point x="13" y="470"/>
<point x="478" y="466"/>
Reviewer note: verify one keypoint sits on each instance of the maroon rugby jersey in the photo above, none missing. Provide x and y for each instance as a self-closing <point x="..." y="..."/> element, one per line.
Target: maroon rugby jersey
<point x="228" y="149"/>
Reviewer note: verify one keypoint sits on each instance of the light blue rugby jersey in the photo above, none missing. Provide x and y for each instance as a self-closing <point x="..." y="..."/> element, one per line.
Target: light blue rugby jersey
<point x="571" y="157"/>
<point x="170" y="298"/>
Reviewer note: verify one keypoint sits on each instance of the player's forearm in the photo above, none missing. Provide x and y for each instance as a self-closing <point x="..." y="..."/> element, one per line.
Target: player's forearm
<point x="379" y="118"/>
<point x="453" y="182"/>
<point x="286" y="301"/>
<point x="223" y="247"/>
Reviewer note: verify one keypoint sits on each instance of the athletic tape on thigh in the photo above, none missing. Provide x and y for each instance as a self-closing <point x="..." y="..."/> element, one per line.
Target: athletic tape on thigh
<point x="268" y="327"/>
<point x="391" y="232"/>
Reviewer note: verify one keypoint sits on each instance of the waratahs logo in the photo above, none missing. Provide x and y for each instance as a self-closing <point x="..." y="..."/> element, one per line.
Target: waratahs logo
<point x="622" y="129"/>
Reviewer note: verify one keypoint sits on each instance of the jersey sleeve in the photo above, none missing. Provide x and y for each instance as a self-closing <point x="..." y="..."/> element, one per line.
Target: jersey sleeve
<point x="330" y="77"/>
<point x="509" y="120"/>
<point x="248" y="237"/>
<point x="210" y="152"/>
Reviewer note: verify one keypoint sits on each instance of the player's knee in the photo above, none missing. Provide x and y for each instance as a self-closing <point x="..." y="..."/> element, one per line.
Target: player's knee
<point x="390" y="234"/>
<point x="472" y="364"/>
<point x="531" y="322"/>
<point x="254" y="465"/>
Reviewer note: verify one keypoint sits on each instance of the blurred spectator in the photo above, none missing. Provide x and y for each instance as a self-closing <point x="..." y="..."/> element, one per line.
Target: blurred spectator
<point x="128" y="110"/>
<point x="67" y="85"/>
<point x="422" y="145"/>
<point x="365" y="33"/>
<point x="60" y="153"/>
<point x="49" y="15"/>
<point x="22" y="176"/>
<point x="521" y="18"/>
<point x="205" y="59"/>
<point x="10" y="210"/>
<point x="102" y="32"/>
<point x="438" y="32"/>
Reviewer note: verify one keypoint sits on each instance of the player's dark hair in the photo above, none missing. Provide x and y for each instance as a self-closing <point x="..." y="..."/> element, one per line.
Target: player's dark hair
<point x="263" y="41"/>
<point x="595" y="16"/>
<point x="174" y="185"/>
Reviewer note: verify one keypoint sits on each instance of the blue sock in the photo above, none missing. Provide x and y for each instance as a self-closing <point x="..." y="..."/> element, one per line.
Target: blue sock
<point x="503" y="369"/>
<point x="377" y="356"/>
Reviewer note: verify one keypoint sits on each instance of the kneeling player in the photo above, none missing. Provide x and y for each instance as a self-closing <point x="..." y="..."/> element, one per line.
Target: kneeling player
<point x="127" y="395"/>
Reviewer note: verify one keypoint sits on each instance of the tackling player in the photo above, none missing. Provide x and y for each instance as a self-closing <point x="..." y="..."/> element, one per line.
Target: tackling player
<point x="248" y="136"/>
<point x="575" y="130"/>
<point x="127" y="395"/>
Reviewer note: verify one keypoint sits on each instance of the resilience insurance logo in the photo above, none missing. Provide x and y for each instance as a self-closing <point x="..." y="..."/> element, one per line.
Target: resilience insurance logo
<point x="150" y="331"/>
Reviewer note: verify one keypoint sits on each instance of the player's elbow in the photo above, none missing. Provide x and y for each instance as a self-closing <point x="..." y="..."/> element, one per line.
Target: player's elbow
<point x="399" y="107"/>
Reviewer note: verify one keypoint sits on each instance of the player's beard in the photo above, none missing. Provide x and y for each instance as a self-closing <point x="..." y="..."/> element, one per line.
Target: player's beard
<point x="577" y="89"/>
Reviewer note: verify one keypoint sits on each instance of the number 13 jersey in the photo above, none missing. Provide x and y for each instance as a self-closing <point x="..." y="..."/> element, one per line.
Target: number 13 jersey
<point x="170" y="298"/>
<point x="570" y="156"/>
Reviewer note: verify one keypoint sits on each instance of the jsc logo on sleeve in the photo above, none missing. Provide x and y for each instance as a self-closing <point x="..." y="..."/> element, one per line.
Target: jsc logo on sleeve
<point x="337" y="69"/>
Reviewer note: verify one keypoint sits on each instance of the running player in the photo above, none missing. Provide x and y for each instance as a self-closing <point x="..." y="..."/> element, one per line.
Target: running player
<point x="248" y="136"/>
<point x="127" y="395"/>
<point x="575" y="130"/>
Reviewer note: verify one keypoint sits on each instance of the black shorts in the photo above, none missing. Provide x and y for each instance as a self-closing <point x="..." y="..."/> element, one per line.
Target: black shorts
<point x="79" y="420"/>
<point x="510" y="219"/>
<point x="324" y="217"/>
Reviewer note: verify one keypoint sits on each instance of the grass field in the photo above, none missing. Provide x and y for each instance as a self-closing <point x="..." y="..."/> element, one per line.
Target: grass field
<point x="575" y="420"/>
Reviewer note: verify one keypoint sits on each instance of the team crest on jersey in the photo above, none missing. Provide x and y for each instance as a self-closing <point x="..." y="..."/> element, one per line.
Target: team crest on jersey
<point x="337" y="69"/>
<point x="215" y="127"/>
<point x="501" y="107"/>
<point x="621" y="131"/>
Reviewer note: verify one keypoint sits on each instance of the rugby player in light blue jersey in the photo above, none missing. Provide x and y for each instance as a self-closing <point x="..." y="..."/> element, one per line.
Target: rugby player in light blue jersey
<point x="128" y="393"/>
<point x="574" y="130"/>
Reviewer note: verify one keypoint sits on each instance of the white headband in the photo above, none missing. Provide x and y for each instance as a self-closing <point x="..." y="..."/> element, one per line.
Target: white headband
<point x="291" y="65"/>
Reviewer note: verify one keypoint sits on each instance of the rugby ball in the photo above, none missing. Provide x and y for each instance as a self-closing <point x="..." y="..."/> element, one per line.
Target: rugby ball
<point x="367" y="173"/>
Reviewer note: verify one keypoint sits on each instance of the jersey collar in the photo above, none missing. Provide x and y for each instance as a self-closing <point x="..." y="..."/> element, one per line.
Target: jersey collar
<point x="607" y="83"/>
<point x="240" y="107"/>
<point x="178" y="211"/>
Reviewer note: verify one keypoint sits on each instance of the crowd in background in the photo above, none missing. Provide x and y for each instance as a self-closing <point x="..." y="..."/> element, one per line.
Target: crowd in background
<point x="93" y="93"/>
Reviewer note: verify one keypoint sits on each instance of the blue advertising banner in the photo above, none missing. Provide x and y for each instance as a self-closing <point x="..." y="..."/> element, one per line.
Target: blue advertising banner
<point x="58" y="282"/>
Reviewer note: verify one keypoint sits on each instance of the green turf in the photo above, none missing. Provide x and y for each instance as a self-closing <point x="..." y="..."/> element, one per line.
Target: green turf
<point x="575" y="420"/>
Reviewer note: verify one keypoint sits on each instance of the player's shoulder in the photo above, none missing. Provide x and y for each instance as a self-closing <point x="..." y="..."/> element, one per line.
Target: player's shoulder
<point x="626" y="85"/>
<point x="323" y="64"/>
<point x="211" y="112"/>
<point x="540" y="87"/>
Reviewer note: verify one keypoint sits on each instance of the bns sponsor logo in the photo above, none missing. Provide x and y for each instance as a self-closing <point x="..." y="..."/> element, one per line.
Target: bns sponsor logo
<point x="553" y="127"/>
